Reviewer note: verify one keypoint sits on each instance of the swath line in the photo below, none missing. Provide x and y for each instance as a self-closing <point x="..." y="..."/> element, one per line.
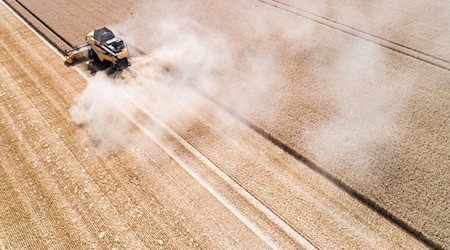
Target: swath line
<point x="222" y="199"/>
<point x="230" y="181"/>
<point x="292" y="233"/>
<point x="298" y="156"/>
<point x="233" y="209"/>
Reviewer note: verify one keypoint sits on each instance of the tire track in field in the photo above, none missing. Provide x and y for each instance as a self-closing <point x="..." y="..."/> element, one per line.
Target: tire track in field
<point x="219" y="196"/>
<point x="55" y="103"/>
<point x="321" y="204"/>
<point x="73" y="197"/>
<point x="45" y="96"/>
<point x="297" y="155"/>
<point x="358" y="33"/>
<point x="60" y="113"/>
<point x="110" y="172"/>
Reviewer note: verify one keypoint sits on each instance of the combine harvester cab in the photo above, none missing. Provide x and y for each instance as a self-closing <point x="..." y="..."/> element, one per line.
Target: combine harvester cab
<point x="105" y="46"/>
<point x="102" y="46"/>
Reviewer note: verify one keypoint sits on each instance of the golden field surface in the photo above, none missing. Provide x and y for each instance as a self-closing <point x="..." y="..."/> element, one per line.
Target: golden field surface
<point x="245" y="124"/>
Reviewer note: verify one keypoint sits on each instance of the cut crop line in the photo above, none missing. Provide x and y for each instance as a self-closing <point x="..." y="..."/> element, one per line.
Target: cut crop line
<point x="251" y="225"/>
<point x="324" y="173"/>
<point x="115" y="213"/>
<point x="52" y="129"/>
<point x="230" y="181"/>
<point x="231" y="207"/>
<point x="45" y="24"/>
<point x="254" y="201"/>
<point x="375" y="39"/>
<point x="237" y="187"/>
<point x="277" y="142"/>
<point x="221" y="198"/>
<point x="31" y="27"/>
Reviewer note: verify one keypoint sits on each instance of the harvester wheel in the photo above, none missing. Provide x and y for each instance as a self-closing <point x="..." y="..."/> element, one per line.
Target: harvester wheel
<point x="94" y="56"/>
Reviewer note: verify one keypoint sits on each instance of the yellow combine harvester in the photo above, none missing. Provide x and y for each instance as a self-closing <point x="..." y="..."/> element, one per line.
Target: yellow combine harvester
<point x="102" y="46"/>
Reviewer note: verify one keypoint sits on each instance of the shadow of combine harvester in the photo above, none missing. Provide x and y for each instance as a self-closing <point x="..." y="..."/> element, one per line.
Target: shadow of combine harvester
<point x="102" y="48"/>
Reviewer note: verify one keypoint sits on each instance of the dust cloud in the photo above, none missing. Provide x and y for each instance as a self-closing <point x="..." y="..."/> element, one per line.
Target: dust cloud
<point x="182" y="50"/>
<point x="367" y="99"/>
<point x="108" y="102"/>
<point x="179" y="52"/>
<point x="367" y="93"/>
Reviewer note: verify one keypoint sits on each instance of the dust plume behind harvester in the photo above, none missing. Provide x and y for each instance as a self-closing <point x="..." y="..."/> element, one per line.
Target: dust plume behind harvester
<point x="102" y="46"/>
